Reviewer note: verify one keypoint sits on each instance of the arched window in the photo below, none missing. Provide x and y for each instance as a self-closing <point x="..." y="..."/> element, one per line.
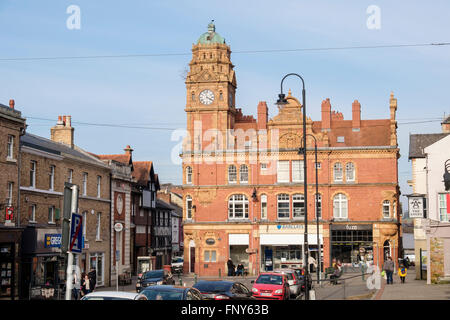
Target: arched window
<point x="340" y="208"/>
<point x="298" y="205"/>
<point x="188" y="207"/>
<point x="193" y="96"/>
<point x="337" y="171"/>
<point x="350" y="171"/>
<point x="238" y="207"/>
<point x="263" y="206"/>
<point x="243" y="174"/>
<point x="386" y="209"/>
<point x="283" y="206"/>
<point x="319" y="205"/>
<point x="188" y="175"/>
<point x="232" y="174"/>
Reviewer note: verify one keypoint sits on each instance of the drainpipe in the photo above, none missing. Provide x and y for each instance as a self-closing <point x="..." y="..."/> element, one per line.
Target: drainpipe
<point x="19" y="165"/>
<point x="110" y="225"/>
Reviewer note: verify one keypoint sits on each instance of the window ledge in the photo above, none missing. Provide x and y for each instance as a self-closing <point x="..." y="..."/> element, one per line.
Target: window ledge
<point x="340" y="219"/>
<point x="12" y="160"/>
<point x="98" y="240"/>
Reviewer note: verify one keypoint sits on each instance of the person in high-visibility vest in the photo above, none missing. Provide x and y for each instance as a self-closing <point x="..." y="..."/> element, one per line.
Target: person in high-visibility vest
<point x="402" y="273"/>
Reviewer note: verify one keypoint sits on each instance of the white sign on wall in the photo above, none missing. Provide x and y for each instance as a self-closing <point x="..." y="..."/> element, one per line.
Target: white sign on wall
<point x="415" y="207"/>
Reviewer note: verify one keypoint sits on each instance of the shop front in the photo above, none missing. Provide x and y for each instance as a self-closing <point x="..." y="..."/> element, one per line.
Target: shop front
<point x="43" y="274"/>
<point x="238" y="246"/>
<point x="282" y="246"/>
<point x="10" y="239"/>
<point x="352" y="244"/>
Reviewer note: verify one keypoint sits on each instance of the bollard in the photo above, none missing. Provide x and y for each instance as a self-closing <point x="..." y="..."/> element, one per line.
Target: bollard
<point x="195" y="278"/>
<point x="363" y="271"/>
<point x="220" y="273"/>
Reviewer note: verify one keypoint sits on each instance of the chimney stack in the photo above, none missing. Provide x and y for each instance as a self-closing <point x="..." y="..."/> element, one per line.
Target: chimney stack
<point x="12" y="103"/>
<point x="446" y="125"/>
<point x="262" y="115"/>
<point x="326" y="115"/>
<point x="356" y="115"/>
<point x="63" y="131"/>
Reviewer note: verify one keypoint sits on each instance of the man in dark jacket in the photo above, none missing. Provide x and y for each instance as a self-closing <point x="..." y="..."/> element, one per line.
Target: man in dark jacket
<point x="388" y="267"/>
<point x="92" y="279"/>
<point x="230" y="266"/>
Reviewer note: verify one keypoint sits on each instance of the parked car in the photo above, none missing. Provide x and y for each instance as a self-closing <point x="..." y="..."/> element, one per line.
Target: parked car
<point x="169" y="292"/>
<point x="302" y="279"/>
<point x="177" y="265"/>
<point x="154" y="277"/>
<point x="271" y="286"/>
<point x="223" y="290"/>
<point x="293" y="280"/>
<point x="113" y="295"/>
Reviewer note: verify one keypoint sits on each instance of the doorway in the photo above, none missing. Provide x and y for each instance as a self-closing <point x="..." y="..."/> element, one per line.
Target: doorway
<point x="192" y="260"/>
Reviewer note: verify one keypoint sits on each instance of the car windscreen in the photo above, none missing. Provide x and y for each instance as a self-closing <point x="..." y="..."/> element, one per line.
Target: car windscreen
<point x="153" y="294"/>
<point x="213" y="286"/>
<point x="105" y="298"/>
<point x="269" y="279"/>
<point x="153" y="274"/>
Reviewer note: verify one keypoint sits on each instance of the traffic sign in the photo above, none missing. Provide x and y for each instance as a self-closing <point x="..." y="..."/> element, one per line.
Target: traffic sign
<point x="118" y="227"/>
<point x="76" y="242"/>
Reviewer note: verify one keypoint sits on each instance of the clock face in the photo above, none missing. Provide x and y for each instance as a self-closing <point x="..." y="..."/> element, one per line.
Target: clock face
<point x="206" y="97"/>
<point x="119" y="204"/>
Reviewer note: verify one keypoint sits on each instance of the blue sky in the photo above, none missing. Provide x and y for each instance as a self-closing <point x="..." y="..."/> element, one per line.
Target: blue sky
<point x="151" y="91"/>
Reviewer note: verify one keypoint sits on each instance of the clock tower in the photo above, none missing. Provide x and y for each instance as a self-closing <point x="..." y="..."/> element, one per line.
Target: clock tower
<point x="210" y="90"/>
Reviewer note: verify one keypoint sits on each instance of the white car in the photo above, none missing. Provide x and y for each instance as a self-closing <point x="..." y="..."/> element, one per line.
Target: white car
<point x="294" y="283"/>
<point x="113" y="295"/>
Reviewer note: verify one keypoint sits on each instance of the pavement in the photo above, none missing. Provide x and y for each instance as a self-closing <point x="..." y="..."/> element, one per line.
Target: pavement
<point x="350" y="286"/>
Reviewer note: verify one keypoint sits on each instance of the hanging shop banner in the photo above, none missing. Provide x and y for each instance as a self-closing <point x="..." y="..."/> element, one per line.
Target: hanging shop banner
<point x="415" y="207"/>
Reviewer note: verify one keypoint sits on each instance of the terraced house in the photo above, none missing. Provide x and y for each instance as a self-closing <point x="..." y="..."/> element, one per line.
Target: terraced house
<point x="243" y="177"/>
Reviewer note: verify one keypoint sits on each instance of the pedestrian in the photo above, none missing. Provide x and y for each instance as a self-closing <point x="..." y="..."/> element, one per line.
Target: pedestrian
<point x="230" y="267"/>
<point x="333" y="262"/>
<point x="240" y="270"/>
<point x="335" y="274"/>
<point x="85" y="285"/>
<point x="75" y="286"/>
<point x="407" y="262"/>
<point x="92" y="279"/>
<point x="388" y="267"/>
<point x="402" y="273"/>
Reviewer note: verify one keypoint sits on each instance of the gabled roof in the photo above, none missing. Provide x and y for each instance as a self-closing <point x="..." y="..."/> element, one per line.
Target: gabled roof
<point x="418" y="142"/>
<point x="143" y="172"/>
<point x="46" y="145"/>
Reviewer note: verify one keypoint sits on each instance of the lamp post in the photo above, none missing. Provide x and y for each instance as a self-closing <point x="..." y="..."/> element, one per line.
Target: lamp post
<point x="319" y="248"/>
<point x="282" y="100"/>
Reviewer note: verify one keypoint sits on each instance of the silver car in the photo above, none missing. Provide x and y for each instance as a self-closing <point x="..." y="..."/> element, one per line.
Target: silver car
<point x="113" y="295"/>
<point x="294" y="283"/>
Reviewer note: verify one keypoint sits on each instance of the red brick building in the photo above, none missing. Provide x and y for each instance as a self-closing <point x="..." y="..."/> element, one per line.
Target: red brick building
<point x="243" y="178"/>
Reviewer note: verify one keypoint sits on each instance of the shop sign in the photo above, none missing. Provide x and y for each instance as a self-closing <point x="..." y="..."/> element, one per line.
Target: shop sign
<point x="290" y="226"/>
<point x="351" y="227"/>
<point x="415" y="207"/>
<point x="210" y="241"/>
<point x="53" y="240"/>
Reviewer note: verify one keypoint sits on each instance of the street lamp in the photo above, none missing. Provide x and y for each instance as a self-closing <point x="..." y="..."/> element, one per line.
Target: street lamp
<point x="319" y="248"/>
<point x="281" y="101"/>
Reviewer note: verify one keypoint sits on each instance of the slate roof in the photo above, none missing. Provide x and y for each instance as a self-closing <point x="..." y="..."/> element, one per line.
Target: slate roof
<point x="46" y="145"/>
<point x="418" y="142"/>
<point x="142" y="171"/>
<point x="122" y="158"/>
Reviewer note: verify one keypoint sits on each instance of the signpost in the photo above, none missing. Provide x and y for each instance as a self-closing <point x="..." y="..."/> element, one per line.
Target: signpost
<point x="118" y="227"/>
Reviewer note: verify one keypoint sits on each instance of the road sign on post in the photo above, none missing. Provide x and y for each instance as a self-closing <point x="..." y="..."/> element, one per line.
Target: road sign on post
<point x="76" y="242"/>
<point x="67" y="213"/>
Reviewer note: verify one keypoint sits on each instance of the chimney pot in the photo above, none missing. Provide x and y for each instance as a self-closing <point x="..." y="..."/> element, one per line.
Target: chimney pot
<point x="12" y="103"/>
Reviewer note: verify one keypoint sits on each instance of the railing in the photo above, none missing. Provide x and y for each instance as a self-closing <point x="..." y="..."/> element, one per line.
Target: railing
<point x="340" y="281"/>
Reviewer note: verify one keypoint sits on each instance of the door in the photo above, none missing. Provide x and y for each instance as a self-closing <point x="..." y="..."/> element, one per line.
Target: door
<point x="192" y="260"/>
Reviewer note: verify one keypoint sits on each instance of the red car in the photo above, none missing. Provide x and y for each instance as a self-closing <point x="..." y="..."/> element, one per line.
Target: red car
<point x="271" y="286"/>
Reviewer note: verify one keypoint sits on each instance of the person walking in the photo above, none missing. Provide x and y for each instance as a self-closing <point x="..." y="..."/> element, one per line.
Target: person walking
<point x="230" y="267"/>
<point x="75" y="286"/>
<point x="92" y="279"/>
<point x="388" y="267"/>
<point x="85" y="286"/>
<point x="402" y="273"/>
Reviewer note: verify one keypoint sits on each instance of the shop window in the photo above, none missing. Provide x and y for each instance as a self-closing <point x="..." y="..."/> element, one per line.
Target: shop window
<point x="337" y="172"/>
<point x="386" y="209"/>
<point x="283" y="211"/>
<point x="350" y="171"/>
<point x="298" y="204"/>
<point x="298" y="171"/>
<point x="188" y="207"/>
<point x="96" y="261"/>
<point x="188" y="175"/>
<point x="243" y="174"/>
<point x="238" y="207"/>
<point x="340" y="210"/>
<point x="263" y="206"/>
<point x="282" y="171"/>
<point x="232" y="174"/>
